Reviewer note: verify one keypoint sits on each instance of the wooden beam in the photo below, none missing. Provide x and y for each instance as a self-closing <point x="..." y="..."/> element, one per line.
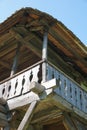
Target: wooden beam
<point x="5" y="64"/>
<point x="74" y="39"/>
<point x="65" y="105"/>
<point x="22" y="100"/>
<point x="29" y="97"/>
<point x="27" y="117"/>
<point x="51" y="114"/>
<point x="3" y="116"/>
<point x="53" y="83"/>
<point x="38" y="126"/>
<point x="38" y="28"/>
<point x="3" y="109"/>
<point x="37" y="50"/>
<point x="30" y="127"/>
<point x="68" y="123"/>
<point x="79" y="125"/>
<point x="3" y="123"/>
<point x="4" y="38"/>
<point x="25" y="41"/>
<point x="6" y="128"/>
<point x="62" y="39"/>
<point x="36" y="87"/>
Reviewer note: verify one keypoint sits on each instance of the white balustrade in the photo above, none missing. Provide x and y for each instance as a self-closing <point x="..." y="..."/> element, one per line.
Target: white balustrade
<point x="19" y="84"/>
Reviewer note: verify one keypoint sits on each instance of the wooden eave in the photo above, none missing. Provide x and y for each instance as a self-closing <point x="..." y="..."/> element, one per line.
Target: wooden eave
<point x="31" y="22"/>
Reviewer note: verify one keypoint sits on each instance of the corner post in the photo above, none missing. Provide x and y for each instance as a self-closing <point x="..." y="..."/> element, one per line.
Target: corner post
<point x="44" y="55"/>
<point x="15" y="62"/>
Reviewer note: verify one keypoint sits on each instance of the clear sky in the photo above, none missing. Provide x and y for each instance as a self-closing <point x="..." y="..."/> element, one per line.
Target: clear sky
<point x="72" y="13"/>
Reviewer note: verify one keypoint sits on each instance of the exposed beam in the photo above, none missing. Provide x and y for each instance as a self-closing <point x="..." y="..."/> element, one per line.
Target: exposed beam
<point x="64" y="105"/>
<point x="3" y="109"/>
<point x="47" y="116"/>
<point x="4" y="38"/>
<point x="5" y="64"/>
<point x="33" y="22"/>
<point x="37" y="48"/>
<point x="27" y="117"/>
<point x="3" y="113"/>
<point x="2" y="101"/>
<point x="68" y="46"/>
<point x="22" y="100"/>
<point x="77" y="41"/>
<point x="68" y="123"/>
<point x="38" y="28"/>
<point x="25" y="41"/>
<point x="3" y="123"/>
<point x="36" y="87"/>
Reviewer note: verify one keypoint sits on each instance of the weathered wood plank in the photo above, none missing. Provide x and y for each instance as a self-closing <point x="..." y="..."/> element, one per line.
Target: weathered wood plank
<point x="3" y="109"/>
<point x="29" y="97"/>
<point x="3" y="123"/>
<point x="27" y="117"/>
<point x="68" y="123"/>
<point x="47" y="116"/>
<point x="38" y="127"/>
<point x="6" y="128"/>
<point x="64" y="105"/>
<point x="26" y="43"/>
<point x="36" y="87"/>
<point x="5" y="64"/>
<point x="53" y="83"/>
<point x="22" y="100"/>
<point x="2" y="101"/>
<point x="3" y="116"/>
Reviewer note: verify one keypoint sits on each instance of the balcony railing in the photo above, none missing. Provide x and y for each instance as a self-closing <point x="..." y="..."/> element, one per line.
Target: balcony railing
<point x="20" y="82"/>
<point x="67" y="88"/>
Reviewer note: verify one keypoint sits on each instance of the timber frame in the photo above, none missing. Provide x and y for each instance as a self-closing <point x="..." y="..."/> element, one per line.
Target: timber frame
<point x="43" y="74"/>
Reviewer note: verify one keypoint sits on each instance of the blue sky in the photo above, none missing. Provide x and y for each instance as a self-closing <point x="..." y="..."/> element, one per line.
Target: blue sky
<point x="72" y="13"/>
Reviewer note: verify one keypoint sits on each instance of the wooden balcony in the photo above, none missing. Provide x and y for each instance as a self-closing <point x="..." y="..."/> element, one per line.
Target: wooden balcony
<point x="42" y="68"/>
<point x="68" y="91"/>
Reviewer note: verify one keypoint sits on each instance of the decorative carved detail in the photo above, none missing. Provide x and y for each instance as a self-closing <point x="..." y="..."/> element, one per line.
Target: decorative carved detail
<point x="20" y="84"/>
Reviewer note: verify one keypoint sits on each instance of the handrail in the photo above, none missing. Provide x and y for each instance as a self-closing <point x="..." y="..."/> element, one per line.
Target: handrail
<point x="65" y="75"/>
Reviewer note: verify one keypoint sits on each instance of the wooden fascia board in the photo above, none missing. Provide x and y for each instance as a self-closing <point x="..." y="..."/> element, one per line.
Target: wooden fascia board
<point x="73" y="38"/>
<point x="68" y="47"/>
